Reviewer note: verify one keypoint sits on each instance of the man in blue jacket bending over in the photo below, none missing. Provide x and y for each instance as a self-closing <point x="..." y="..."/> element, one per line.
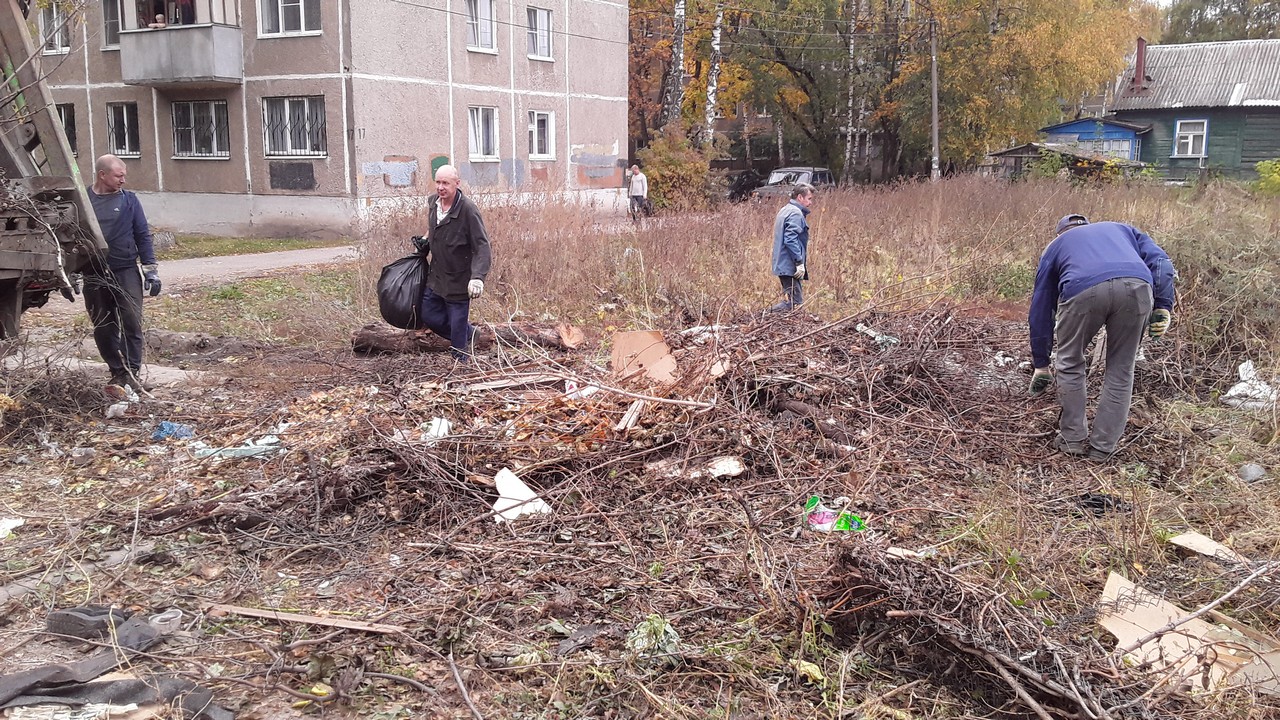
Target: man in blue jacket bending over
<point x="791" y="246"/>
<point x="1097" y="275"/>
<point x="113" y="288"/>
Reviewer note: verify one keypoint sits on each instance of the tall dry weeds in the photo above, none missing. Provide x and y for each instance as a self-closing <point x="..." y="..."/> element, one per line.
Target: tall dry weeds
<point x="961" y="239"/>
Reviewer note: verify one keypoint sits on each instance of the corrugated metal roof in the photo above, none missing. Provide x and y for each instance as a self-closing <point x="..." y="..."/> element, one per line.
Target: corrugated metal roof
<point x="1216" y="74"/>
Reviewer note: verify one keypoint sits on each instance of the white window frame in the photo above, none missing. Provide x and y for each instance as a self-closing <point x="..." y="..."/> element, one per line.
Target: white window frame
<point x="476" y="117"/>
<point x="113" y="122"/>
<point x="280" y="8"/>
<point x="220" y="142"/>
<point x="478" y="24"/>
<point x="550" y="149"/>
<point x="309" y="105"/>
<point x="54" y="16"/>
<point x="539" y="33"/>
<point x="1179" y="135"/>
<point x="106" y="24"/>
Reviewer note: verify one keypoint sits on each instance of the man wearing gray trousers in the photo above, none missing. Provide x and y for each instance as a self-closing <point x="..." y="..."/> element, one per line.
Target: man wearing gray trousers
<point x="1092" y="276"/>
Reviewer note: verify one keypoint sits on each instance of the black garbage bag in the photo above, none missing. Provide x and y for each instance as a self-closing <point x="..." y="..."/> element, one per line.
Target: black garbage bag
<point x="400" y="291"/>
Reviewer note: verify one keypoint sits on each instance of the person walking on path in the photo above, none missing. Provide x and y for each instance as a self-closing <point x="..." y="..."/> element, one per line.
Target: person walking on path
<point x="791" y="246"/>
<point x="113" y="287"/>
<point x="456" y="250"/>
<point x="638" y="191"/>
<point x="1096" y="275"/>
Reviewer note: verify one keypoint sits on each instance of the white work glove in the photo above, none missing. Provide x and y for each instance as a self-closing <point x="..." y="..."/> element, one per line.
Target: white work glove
<point x="474" y="288"/>
<point x="799" y="273"/>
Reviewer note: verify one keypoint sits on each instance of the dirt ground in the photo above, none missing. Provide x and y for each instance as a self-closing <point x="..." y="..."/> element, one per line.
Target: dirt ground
<point x="675" y="573"/>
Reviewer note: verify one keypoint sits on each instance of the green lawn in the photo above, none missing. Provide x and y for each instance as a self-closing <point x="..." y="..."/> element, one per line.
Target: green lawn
<point x="198" y="246"/>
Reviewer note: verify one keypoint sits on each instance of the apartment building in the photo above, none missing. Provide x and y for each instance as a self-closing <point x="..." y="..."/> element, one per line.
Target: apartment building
<point x="288" y="117"/>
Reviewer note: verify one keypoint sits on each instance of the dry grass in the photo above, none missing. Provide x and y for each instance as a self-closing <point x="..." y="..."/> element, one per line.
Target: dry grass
<point x="891" y="246"/>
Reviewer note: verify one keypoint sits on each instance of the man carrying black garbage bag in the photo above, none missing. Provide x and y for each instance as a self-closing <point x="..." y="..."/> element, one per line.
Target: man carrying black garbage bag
<point x="456" y="248"/>
<point x="1105" y="274"/>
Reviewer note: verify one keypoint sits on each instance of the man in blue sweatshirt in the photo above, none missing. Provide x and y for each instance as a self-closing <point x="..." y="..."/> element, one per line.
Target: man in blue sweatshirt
<point x="113" y="287"/>
<point x="1097" y="275"/>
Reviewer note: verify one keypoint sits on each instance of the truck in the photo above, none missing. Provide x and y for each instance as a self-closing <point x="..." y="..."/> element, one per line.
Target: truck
<point x="48" y="231"/>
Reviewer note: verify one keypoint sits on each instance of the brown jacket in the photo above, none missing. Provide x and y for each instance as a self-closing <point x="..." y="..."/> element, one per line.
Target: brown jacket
<point x="459" y="248"/>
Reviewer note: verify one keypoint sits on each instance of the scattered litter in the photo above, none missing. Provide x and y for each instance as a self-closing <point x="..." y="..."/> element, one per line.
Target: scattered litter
<point x="570" y="336"/>
<point x="702" y="333"/>
<point x="8" y="525"/>
<point x="722" y="466"/>
<point x="1001" y="360"/>
<point x="265" y="446"/>
<point x="884" y="340"/>
<point x="177" y="431"/>
<point x="395" y="560"/>
<point x="824" y="519"/>
<point x="1100" y="503"/>
<point x="1203" y="656"/>
<point x="121" y="392"/>
<point x="90" y="711"/>
<point x="582" y="637"/>
<point x="645" y="352"/>
<point x="1251" y="472"/>
<point x="83" y="455"/>
<point x="1251" y="393"/>
<point x="117" y="410"/>
<point x="572" y="391"/>
<point x="429" y="432"/>
<point x="654" y="638"/>
<point x="630" y="417"/>
<point x="905" y="554"/>
<point x="515" y="498"/>
<point x="51" y="449"/>
<point x="1196" y="542"/>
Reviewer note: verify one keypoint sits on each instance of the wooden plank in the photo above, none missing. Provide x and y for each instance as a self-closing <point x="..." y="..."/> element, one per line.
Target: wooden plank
<point x="281" y="616"/>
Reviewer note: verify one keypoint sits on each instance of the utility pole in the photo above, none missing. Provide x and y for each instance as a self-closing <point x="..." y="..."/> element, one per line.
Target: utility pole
<point x="933" y="70"/>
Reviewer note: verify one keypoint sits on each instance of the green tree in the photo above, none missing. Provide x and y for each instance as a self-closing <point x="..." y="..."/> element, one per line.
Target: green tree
<point x="1212" y="20"/>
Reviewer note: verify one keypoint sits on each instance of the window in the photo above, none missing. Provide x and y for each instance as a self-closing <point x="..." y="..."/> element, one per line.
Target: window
<point x="110" y="23"/>
<point x="480" y="26"/>
<point x="284" y="17"/>
<point x="122" y="129"/>
<point x="482" y="141"/>
<point x="67" y="114"/>
<point x="1189" y="138"/>
<point x="539" y="33"/>
<point x="200" y="129"/>
<point x="55" y="28"/>
<point x="294" y="126"/>
<point x="542" y="135"/>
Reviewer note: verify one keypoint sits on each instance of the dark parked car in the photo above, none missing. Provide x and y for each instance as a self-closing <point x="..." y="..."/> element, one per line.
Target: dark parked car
<point x="780" y="182"/>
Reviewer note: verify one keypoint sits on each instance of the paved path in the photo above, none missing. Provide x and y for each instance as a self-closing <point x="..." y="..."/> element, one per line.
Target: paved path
<point x="180" y="275"/>
<point x="199" y="272"/>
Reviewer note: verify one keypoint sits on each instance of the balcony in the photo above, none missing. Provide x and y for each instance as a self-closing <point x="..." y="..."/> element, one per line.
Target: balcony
<point x="183" y="56"/>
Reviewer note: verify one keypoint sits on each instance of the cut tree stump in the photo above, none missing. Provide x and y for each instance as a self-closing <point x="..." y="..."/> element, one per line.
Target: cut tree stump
<point x="383" y="339"/>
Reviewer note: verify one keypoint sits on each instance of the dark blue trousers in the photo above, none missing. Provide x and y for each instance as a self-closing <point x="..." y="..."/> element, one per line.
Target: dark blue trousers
<point x="448" y="319"/>
<point x="114" y="302"/>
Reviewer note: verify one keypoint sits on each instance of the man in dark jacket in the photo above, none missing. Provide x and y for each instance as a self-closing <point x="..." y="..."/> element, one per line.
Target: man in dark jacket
<point x="1105" y="274"/>
<point x="457" y="249"/>
<point x="113" y="287"/>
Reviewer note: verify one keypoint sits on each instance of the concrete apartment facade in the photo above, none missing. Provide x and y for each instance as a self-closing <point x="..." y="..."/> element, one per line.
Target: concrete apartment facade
<point x="300" y="117"/>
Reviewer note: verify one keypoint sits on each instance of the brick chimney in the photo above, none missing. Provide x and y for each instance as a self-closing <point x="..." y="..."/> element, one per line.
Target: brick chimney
<point x="1140" y="66"/>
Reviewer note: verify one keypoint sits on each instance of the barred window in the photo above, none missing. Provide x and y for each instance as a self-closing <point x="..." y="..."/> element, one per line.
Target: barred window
<point x="122" y="129"/>
<point x="282" y="17"/>
<point x="482" y="140"/>
<point x="480" y="25"/>
<point x="539" y="33"/>
<point x="55" y="28"/>
<point x="294" y="126"/>
<point x="67" y="114"/>
<point x="200" y="129"/>
<point x="110" y="23"/>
